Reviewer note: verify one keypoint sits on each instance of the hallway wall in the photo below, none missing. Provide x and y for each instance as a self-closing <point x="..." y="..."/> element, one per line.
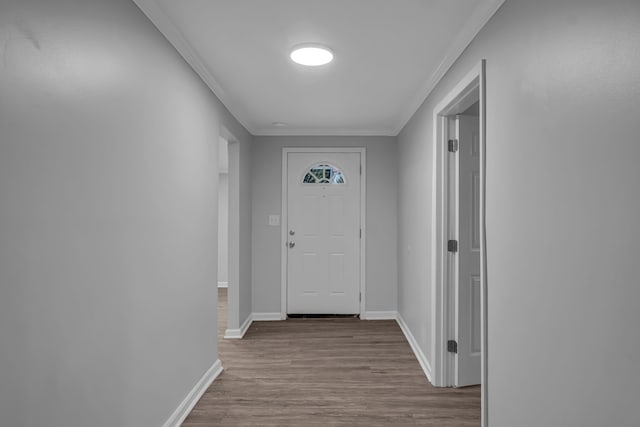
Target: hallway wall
<point x="562" y="211"/>
<point x="108" y="174"/>
<point x="381" y="272"/>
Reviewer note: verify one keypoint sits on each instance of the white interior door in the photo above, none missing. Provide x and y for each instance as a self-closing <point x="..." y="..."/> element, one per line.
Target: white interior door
<point x="467" y="282"/>
<point x="323" y="233"/>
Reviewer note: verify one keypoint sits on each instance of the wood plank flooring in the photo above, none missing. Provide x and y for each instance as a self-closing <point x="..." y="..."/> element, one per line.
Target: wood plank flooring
<point x="327" y="372"/>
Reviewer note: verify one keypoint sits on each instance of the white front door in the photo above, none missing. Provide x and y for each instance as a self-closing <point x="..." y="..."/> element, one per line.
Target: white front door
<point x="467" y="287"/>
<point x="323" y="233"/>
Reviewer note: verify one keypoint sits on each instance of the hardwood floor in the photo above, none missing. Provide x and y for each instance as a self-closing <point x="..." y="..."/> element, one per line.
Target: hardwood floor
<point x="327" y="372"/>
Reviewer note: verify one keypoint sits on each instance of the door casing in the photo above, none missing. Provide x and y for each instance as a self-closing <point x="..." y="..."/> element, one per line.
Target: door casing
<point x="234" y="261"/>
<point x="284" y="218"/>
<point x="458" y="99"/>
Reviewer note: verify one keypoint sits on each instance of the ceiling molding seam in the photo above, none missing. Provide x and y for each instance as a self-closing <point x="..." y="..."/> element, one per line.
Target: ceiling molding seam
<point x="165" y="25"/>
<point x="169" y="30"/>
<point x="470" y="30"/>
<point x="322" y="132"/>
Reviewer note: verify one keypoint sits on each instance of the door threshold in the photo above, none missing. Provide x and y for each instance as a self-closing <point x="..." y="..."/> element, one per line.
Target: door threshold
<point x="322" y="316"/>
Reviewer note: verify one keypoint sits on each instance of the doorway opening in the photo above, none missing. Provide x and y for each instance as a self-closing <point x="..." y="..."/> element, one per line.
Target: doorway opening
<point x="229" y="232"/>
<point x="223" y="233"/>
<point x="323" y="231"/>
<point x="459" y="247"/>
<point x="223" y="213"/>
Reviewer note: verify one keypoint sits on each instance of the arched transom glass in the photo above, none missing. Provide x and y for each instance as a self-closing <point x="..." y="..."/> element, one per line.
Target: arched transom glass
<point x="324" y="174"/>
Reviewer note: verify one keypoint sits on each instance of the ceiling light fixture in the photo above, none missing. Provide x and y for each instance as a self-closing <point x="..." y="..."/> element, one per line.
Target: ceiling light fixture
<point x="311" y="54"/>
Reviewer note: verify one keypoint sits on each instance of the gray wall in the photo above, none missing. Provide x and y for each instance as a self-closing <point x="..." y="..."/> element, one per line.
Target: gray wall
<point x="108" y="174"/>
<point x="563" y="85"/>
<point x="381" y="272"/>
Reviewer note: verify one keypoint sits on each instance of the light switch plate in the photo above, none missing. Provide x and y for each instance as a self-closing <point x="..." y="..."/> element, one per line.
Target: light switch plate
<point x="274" y="220"/>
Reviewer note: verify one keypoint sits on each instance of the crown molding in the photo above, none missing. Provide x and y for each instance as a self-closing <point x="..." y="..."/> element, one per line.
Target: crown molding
<point x="469" y="31"/>
<point x="165" y="25"/>
<point x="293" y="131"/>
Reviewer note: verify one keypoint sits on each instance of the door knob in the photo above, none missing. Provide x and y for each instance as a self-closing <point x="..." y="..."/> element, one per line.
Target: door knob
<point x="292" y="244"/>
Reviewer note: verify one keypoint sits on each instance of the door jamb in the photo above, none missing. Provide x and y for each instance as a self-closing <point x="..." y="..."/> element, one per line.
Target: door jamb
<point x="283" y="222"/>
<point x="474" y="80"/>
<point x="233" y="247"/>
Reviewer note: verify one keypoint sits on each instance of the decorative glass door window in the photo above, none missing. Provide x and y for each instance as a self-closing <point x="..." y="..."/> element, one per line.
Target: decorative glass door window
<point x="324" y="174"/>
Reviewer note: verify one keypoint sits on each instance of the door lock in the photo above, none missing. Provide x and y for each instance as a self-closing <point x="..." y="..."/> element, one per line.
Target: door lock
<point x="292" y="233"/>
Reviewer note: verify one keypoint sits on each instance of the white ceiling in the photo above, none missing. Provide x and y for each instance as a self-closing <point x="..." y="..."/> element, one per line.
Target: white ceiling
<point x="389" y="54"/>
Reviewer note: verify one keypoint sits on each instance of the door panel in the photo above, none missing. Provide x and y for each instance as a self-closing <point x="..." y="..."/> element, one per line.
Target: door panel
<point x="468" y="358"/>
<point x="323" y="230"/>
<point x="474" y="299"/>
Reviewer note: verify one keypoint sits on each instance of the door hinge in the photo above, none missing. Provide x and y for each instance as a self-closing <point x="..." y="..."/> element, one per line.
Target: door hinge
<point x="360" y="168"/>
<point x="361" y="233"/>
<point x="360" y="297"/>
<point x="453" y="145"/>
<point x="452" y="346"/>
<point x="452" y="246"/>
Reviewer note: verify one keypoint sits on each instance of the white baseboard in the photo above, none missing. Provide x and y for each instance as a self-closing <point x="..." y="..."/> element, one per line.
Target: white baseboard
<point x="185" y="407"/>
<point x="264" y="317"/>
<point x="239" y="333"/>
<point x="253" y="317"/>
<point x="422" y="359"/>
<point x="223" y="284"/>
<point x="379" y="315"/>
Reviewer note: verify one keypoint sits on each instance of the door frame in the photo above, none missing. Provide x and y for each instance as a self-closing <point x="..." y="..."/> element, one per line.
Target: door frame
<point x="458" y="99"/>
<point x="233" y="247"/>
<point x="283" y="224"/>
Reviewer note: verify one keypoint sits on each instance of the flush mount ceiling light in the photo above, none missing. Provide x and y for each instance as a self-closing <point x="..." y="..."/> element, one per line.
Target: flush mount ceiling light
<point x="311" y="55"/>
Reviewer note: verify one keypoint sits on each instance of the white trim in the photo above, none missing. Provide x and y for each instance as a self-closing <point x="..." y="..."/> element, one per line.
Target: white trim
<point x="468" y="31"/>
<point x="182" y="411"/>
<point x="283" y="236"/>
<point x="294" y="131"/>
<point x="223" y="284"/>
<point x="422" y="358"/>
<point x="239" y="333"/>
<point x="440" y="297"/>
<point x="233" y="247"/>
<point x="267" y="317"/>
<point x="440" y="226"/>
<point x="253" y="317"/>
<point x="172" y="33"/>
<point x="363" y="218"/>
<point x="484" y="286"/>
<point x="379" y="315"/>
